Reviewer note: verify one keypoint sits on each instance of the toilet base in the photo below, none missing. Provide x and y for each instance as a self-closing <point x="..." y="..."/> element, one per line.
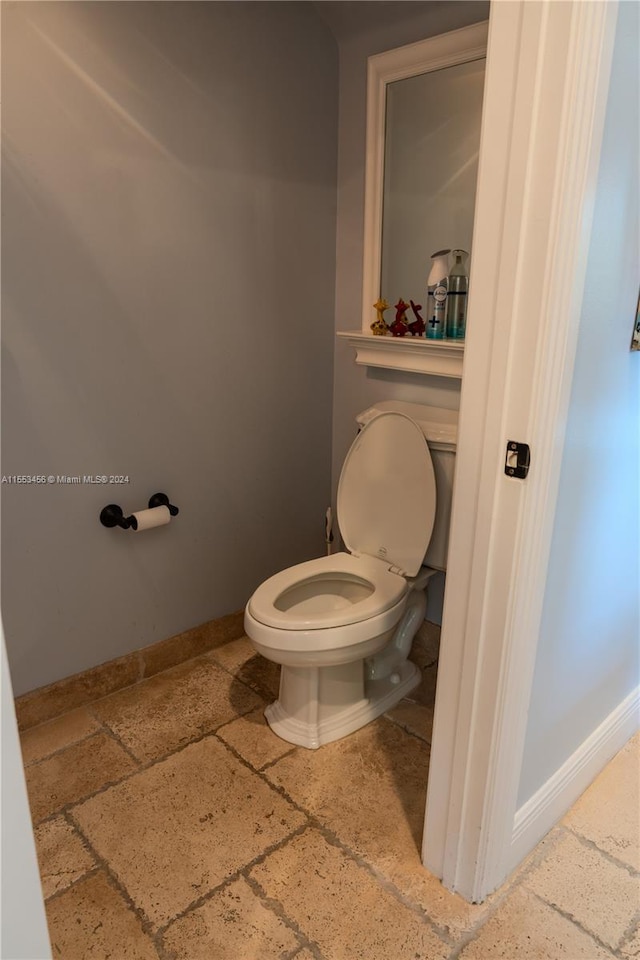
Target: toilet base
<point x="312" y="719"/>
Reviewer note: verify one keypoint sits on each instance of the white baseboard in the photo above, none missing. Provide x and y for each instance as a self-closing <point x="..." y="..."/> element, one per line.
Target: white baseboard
<point x="542" y="811"/>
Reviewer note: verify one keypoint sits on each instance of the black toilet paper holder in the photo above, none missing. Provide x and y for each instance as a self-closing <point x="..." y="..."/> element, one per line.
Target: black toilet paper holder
<point x="112" y="515"/>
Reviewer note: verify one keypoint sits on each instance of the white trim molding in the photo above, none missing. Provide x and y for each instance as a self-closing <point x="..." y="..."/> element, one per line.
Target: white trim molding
<point x="439" y="358"/>
<point x="547" y="79"/>
<point x="542" y="811"/>
<point x="435" y="53"/>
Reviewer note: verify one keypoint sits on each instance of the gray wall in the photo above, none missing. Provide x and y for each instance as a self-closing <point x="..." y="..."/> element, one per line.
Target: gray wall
<point x="168" y="251"/>
<point x="587" y="659"/>
<point x="357" y="387"/>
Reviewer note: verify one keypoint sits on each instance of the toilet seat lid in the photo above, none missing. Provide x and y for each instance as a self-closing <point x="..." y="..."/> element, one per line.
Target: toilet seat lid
<point x="387" y="493"/>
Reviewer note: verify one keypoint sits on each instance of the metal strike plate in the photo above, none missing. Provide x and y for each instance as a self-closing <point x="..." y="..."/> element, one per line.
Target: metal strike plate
<point x="517" y="460"/>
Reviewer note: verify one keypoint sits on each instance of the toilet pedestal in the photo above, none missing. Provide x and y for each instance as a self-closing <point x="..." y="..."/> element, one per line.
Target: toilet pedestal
<point x="319" y="704"/>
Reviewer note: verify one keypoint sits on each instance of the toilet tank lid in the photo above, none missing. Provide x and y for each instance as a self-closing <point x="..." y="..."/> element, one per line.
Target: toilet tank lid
<point x="439" y="426"/>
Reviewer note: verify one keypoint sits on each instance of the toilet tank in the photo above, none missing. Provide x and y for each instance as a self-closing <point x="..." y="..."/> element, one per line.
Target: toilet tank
<point x="440" y="428"/>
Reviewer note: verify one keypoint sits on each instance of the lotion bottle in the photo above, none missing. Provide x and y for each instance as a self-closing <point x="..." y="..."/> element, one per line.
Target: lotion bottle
<point x="437" y="289"/>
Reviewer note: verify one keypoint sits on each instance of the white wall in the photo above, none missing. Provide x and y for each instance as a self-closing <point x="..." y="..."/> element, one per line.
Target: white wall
<point x="23" y="923"/>
<point x="357" y="387"/>
<point x="588" y="652"/>
<point x="168" y="251"/>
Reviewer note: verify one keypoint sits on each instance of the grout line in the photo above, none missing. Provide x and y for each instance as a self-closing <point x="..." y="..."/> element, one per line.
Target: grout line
<point x="82" y="840"/>
<point x="142" y="768"/>
<point x="382" y="881"/>
<point x="536" y="858"/>
<point x="141" y="665"/>
<point x="629" y="933"/>
<point x="246" y="763"/>
<point x="117" y="739"/>
<point x="68" y="807"/>
<point x="219" y="732"/>
<point x="59" y="750"/>
<point x="298" y="953"/>
<point x="89" y="704"/>
<point x="272" y="763"/>
<point x="331" y="837"/>
<point x="85" y="705"/>
<point x="277" y="908"/>
<point x="573" y="920"/>
<point x="592" y="845"/>
<point x="112" y="877"/>
<point x="405" y="729"/>
<point x="236" y="875"/>
<point x="510" y="885"/>
<point x="57" y="894"/>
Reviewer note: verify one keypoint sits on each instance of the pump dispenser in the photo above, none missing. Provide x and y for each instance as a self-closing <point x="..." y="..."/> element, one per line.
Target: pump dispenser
<point x="437" y="288"/>
<point x="457" y="295"/>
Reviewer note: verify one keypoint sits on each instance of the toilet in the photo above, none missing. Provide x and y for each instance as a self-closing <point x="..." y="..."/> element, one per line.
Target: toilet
<point x="342" y="625"/>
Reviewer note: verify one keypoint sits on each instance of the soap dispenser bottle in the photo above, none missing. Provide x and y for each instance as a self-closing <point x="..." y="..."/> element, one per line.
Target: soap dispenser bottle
<point x="457" y="295"/>
<point x="437" y="289"/>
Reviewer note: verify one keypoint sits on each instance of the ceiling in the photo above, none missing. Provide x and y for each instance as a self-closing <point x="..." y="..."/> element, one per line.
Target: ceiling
<point x="347" y="18"/>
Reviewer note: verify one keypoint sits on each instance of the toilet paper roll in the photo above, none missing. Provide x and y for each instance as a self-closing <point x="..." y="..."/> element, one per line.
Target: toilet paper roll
<point x="155" y="517"/>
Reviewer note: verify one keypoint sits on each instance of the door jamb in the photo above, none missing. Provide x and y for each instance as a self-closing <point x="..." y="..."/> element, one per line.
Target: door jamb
<point x="548" y="68"/>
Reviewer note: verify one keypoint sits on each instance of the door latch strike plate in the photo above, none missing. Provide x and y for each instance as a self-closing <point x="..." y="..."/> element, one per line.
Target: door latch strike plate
<point x="517" y="460"/>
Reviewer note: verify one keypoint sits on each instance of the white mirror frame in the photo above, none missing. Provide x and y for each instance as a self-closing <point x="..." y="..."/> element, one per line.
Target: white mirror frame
<point x="448" y="49"/>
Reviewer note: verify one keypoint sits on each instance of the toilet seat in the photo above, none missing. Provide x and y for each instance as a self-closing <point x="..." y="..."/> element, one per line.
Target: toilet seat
<point x="327" y="592"/>
<point x="386" y="508"/>
<point x="387" y="493"/>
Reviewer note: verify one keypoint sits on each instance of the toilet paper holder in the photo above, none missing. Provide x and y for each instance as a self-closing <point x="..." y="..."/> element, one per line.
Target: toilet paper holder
<point x="113" y="516"/>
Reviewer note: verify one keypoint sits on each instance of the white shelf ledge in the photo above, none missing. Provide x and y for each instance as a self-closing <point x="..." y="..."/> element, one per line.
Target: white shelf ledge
<point x="440" y="358"/>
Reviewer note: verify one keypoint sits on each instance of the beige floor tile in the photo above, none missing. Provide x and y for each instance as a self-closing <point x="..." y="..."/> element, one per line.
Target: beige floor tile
<point x="233" y="925"/>
<point x="177" y="830"/>
<point x="181" y="827"/>
<point x="252" y="738"/>
<point x="338" y="904"/>
<point x="583" y="883"/>
<point x="172" y="708"/>
<point x="92" y="921"/>
<point x="75" y="773"/>
<point x="415" y="712"/>
<point x="243" y="662"/>
<point x="631" y="945"/>
<point x="383" y="771"/>
<point x="523" y="928"/>
<point x="42" y="741"/>
<point x="609" y="811"/>
<point x="61" y="855"/>
<point x="426" y="644"/>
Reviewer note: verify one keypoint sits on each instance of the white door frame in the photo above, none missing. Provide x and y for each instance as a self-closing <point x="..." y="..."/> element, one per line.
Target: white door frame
<point x="23" y="922"/>
<point x="547" y="80"/>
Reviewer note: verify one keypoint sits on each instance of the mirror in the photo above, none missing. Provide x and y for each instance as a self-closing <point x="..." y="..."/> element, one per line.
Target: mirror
<point x="424" y="113"/>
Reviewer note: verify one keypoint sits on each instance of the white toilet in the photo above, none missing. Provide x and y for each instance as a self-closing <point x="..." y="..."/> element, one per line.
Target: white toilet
<point x="342" y="625"/>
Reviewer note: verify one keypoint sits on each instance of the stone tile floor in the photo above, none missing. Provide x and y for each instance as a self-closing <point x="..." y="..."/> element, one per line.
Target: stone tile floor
<point x="171" y="824"/>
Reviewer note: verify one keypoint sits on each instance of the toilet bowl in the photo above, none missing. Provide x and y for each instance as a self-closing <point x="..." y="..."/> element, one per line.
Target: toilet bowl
<point x="342" y="625"/>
